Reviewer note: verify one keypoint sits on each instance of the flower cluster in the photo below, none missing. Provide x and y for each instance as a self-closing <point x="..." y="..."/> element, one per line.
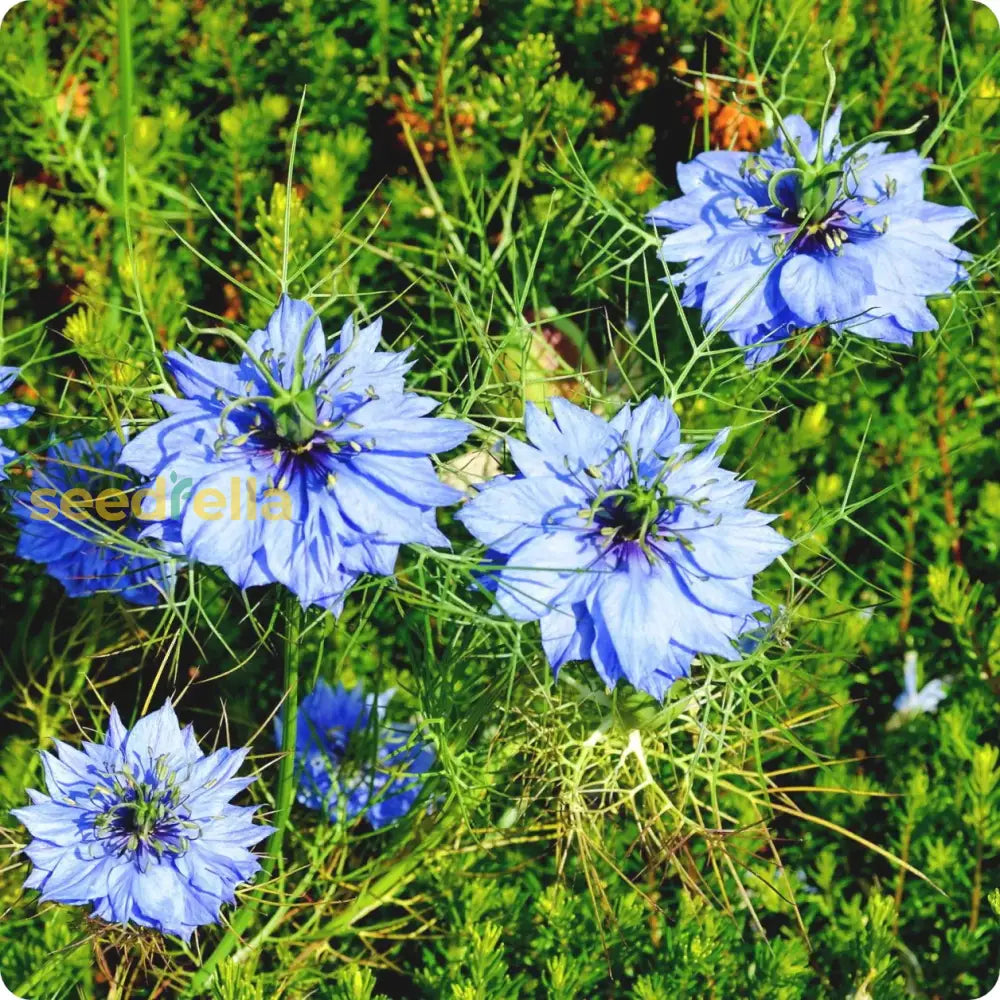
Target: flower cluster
<point x="141" y="827"/>
<point x="632" y="550"/>
<point x="810" y="232"/>
<point x="334" y="430"/>
<point x="350" y="762"/>
<point x="11" y="415"/>
<point x="86" y="553"/>
<point x="629" y="551"/>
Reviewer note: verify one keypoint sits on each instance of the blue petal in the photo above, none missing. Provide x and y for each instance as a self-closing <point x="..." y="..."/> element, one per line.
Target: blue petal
<point x="155" y="734"/>
<point x="653" y="433"/>
<point x="7" y="376"/>
<point x="215" y="535"/>
<point x="196" y="376"/>
<point x="637" y="608"/>
<point x="14" y="414"/>
<point x="507" y="512"/>
<point x="292" y="328"/>
<point x="548" y="570"/>
<point x="567" y="634"/>
<point x="159" y="897"/>
<point x="586" y="438"/>
<point x="825" y="288"/>
<point x="410" y="476"/>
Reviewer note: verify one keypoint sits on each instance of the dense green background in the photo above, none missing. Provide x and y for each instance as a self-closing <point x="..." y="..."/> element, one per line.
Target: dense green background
<point x="478" y="174"/>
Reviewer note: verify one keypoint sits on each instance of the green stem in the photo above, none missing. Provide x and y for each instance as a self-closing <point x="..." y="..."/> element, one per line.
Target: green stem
<point x="286" y="776"/>
<point x="125" y="81"/>
<point x="126" y="78"/>
<point x="381" y="890"/>
<point x="286" y="796"/>
<point x="50" y="719"/>
<point x="904" y="853"/>
<point x="382" y="55"/>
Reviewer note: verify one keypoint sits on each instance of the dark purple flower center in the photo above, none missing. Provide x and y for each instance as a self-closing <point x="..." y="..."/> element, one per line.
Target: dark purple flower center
<point x="799" y="235"/>
<point x="809" y="207"/>
<point x="293" y="441"/>
<point x="629" y="517"/>
<point x="632" y="517"/>
<point x="143" y="813"/>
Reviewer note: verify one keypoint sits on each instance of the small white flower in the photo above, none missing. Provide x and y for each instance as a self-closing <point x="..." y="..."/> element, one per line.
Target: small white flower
<point x="915" y="702"/>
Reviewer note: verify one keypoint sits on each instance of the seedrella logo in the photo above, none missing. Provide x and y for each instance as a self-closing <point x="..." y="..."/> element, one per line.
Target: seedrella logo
<point x="163" y="500"/>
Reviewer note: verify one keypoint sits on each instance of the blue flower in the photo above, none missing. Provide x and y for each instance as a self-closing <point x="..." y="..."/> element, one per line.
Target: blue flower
<point x="351" y="762"/>
<point x="89" y="543"/>
<point x="628" y="550"/>
<point x="141" y="827"/>
<point x="807" y="233"/>
<point x="11" y="415"/>
<point x="323" y="453"/>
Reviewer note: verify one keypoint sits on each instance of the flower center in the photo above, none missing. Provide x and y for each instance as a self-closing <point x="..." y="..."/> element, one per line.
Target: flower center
<point x="627" y="515"/>
<point x="806" y="200"/>
<point x="630" y="514"/>
<point x="295" y="416"/>
<point x="817" y="193"/>
<point x="827" y="233"/>
<point x="143" y="813"/>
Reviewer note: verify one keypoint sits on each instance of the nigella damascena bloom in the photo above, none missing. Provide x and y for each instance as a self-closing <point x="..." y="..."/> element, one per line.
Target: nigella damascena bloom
<point x="351" y="762"/>
<point x="11" y="415"/>
<point x="83" y="519"/>
<point x="141" y="827"/>
<point x="317" y="459"/>
<point x="810" y="232"/>
<point x="914" y="700"/>
<point x="630" y="551"/>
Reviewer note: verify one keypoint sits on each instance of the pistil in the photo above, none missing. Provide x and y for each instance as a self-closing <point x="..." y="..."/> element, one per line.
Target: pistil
<point x="142" y="813"/>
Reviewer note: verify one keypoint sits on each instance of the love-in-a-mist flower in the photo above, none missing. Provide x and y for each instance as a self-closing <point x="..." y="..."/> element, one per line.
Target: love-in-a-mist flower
<point x="810" y="231"/>
<point x="306" y="465"/>
<point x="142" y="827"/>
<point x="351" y="762"/>
<point x="80" y="519"/>
<point x="915" y="701"/>
<point x="11" y="415"/>
<point x="631" y="551"/>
